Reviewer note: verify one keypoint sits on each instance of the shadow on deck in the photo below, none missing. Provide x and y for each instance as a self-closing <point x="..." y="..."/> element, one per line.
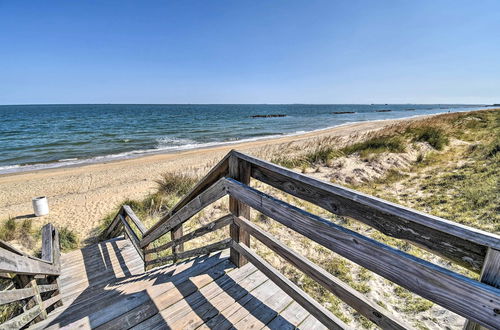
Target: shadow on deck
<point x="104" y="286"/>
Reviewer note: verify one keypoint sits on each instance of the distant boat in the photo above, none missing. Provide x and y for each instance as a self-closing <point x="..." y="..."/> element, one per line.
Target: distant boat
<point x="383" y="110"/>
<point x="342" y="112"/>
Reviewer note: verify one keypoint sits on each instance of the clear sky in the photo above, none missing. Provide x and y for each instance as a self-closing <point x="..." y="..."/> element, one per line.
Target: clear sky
<point x="268" y="51"/>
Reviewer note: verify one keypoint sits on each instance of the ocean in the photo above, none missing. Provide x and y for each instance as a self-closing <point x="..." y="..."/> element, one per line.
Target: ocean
<point x="35" y="137"/>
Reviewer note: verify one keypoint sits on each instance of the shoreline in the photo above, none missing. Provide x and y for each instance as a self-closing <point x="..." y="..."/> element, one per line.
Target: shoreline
<point x="137" y="154"/>
<point x="81" y="196"/>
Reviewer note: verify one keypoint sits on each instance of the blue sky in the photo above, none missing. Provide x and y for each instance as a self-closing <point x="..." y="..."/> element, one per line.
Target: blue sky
<point x="249" y="51"/>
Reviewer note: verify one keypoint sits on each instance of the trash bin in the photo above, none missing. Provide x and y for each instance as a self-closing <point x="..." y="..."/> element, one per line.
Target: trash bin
<point x="40" y="206"/>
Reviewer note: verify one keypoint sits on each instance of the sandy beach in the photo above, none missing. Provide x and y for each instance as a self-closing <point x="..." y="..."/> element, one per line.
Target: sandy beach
<point x="79" y="197"/>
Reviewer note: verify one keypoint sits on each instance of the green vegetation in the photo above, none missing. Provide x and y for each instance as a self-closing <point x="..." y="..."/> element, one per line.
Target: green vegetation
<point x="459" y="183"/>
<point x="68" y="239"/>
<point x="326" y="153"/>
<point x="376" y="145"/>
<point x="24" y="231"/>
<point x="436" y="137"/>
<point x="412" y="303"/>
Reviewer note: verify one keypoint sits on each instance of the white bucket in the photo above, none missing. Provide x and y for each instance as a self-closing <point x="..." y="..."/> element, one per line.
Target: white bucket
<point x="40" y="206"/>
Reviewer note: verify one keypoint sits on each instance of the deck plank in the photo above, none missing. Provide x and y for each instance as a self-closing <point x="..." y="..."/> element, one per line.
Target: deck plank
<point x="105" y="287"/>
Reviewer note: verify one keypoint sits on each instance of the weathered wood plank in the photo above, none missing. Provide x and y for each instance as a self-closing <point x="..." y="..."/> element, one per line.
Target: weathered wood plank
<point x="311" y="305"/>
<point x="138" y="223"/>
<point x="212" y="226"/>
<point x="56" y="250"/>
<point x="47" y="242"/>
<point x="9" y="296"/>
<point x="47" y="287"/>
<point x="207" y="197"/>
<point x="353" y="298"/>
<point x="11" y="262"/>
<point x="218" y="171"/>
<point x="242" y="307"/>
<point x="490" y="275"/>
<point x="288" y="319"/>
<point x="180" y="315"/>
<point x="142" y="294"/>
<point x="132" y="236"/>
<point x="112" y="226"/>
<point x="466" y="297"/>
<point x="51" y="301"/>
<point x="239" y="171"/>
<point x="21" y="320"/>
<point x="176" y="233"/>
<point x="461" y="244"/>
<point x="221" y="245"/>
<point x="162" y="300"/>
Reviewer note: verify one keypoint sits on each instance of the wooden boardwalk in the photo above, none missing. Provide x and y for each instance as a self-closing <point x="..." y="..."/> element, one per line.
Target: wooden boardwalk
<point x="104" y="286"/>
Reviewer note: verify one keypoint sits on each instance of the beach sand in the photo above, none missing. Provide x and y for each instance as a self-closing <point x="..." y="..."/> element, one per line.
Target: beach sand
<point x="79" y="197"/>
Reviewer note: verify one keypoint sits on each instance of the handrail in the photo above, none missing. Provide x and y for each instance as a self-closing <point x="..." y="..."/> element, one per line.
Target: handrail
<point x="25" y="270"/>
<point x="477" y="250"/>
<point x="221" y="169"/>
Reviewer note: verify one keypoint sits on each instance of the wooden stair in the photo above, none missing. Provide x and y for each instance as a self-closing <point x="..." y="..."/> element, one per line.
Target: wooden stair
<point x="105" y="286"/>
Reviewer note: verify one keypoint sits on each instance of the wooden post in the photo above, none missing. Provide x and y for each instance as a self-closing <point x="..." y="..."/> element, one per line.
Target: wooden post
<point x="147" y="256"/>
<point x="176" y="233"/>
<point x="238" y="170"/>
<point x="490" y="274"/>
<point x="56" y="256"/>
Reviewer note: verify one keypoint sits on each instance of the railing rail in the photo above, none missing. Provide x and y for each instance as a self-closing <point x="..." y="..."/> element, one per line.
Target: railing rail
<point x="32" y="281"/>
<point x="476" y="250"/>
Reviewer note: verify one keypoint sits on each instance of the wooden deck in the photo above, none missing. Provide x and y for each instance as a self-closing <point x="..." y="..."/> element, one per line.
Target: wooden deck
<point x="104" y="286"/>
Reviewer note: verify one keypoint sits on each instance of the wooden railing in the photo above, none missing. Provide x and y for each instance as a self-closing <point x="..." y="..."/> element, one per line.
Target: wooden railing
<point x="30" y="283"/>
<point x="479" y="251"/>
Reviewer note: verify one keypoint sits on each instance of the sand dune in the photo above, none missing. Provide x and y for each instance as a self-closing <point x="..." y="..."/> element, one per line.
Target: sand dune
<point x="79" y="197"/>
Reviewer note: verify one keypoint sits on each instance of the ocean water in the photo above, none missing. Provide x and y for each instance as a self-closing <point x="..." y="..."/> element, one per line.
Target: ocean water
<point x="43" y="136"/>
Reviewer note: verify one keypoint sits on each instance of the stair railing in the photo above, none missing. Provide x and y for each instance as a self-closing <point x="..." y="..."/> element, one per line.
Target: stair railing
<point x="479" y="251"/>
<point x="30" y="287"/>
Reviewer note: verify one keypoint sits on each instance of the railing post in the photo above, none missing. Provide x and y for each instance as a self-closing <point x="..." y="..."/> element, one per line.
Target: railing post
<point x="176" y="233"/>
<point x="490" y="274"/>
<point x="239" y="170"/>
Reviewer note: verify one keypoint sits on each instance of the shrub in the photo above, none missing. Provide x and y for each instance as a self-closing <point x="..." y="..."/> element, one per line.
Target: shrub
<point x="69" y="240"/>
<point x="8" y="230"/>
<point x="376" y="145"/>
<point x="436" y="137"/>
<point x="176" y="184"/>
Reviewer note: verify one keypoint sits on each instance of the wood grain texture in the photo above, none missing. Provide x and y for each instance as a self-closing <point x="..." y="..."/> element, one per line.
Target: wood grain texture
<point x="221" y="245"/>
<point x="14" y="263"/>
<point x="47" y="242"/>
<point x="457" y="293"/>
<point x="212" y="226"/>
<point x="111" y="230"/>
<point x="131" y="235"/>
<point x="311" y="305"/>
<point x="353" y="298"/>
<point x="176" y="233"/>
<point x="461" y="244"/>
<point x="9" y="296"/>
<point x="137" y="222"/>
<point x="21" y="320"/>
<point x="239" y="171"/>
<point x="490" y="275"/>
<point x="207" y="197"/>
<point x="218" y="171"/>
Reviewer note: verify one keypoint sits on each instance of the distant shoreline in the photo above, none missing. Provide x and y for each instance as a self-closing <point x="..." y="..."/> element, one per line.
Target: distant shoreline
<point x="137" y="154"/>
<point x="47" y="136"/>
